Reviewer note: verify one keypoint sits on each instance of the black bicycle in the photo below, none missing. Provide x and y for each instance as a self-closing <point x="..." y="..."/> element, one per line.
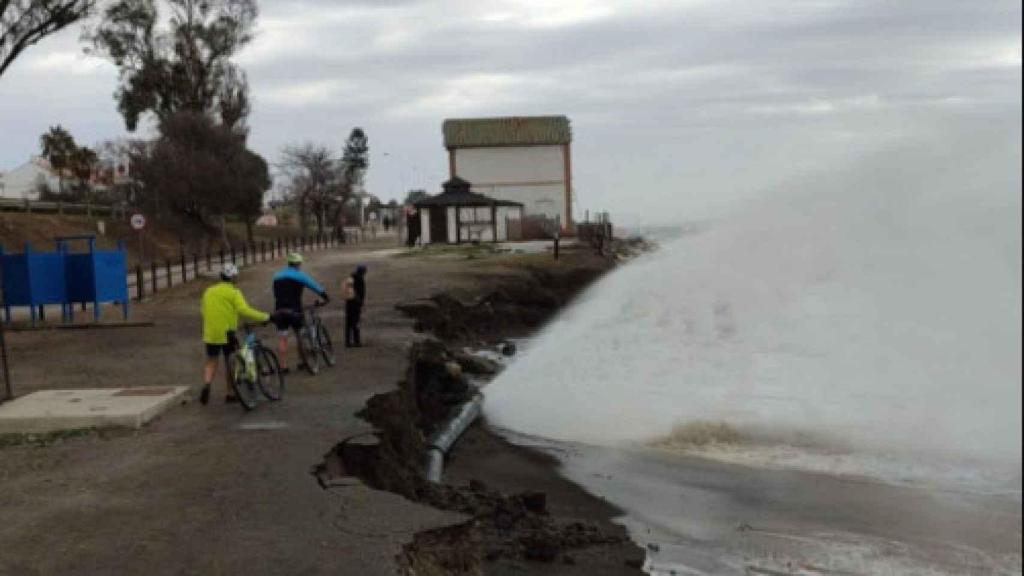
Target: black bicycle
<point x="253" y="366"/>
<point x="315" y="345"/>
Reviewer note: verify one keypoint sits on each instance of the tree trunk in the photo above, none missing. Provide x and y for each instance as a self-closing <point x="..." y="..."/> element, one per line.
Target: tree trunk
<point x="303" y="217"/>
<point x="224" y="230"/>
<point x="319" y="215"/>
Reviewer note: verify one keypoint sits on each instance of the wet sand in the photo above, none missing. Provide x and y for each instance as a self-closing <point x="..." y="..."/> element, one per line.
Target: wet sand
<point x="702" y="516"/>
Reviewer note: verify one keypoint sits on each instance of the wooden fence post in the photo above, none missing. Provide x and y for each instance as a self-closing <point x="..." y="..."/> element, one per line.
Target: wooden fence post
<point x="139" y="281"/>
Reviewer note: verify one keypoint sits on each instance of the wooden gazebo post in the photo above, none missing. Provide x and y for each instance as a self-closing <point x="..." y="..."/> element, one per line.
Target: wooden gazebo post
<point x="494" y="221"/>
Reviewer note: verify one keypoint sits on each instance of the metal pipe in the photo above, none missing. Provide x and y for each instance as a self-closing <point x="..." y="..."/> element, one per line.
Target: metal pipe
<point x="446" y="437"/>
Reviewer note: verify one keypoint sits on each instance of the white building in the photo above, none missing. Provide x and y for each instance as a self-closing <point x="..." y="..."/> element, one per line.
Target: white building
<point x="23" y="182"/>
<point x="520" y="159"/>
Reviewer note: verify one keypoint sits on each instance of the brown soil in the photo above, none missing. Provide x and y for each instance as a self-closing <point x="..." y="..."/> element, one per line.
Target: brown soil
<point x="160" y="240"/>
<point x="524" y="527"/>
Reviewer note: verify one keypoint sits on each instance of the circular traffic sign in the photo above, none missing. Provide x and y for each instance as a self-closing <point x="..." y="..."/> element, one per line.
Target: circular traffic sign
<point x="138" y="221"/>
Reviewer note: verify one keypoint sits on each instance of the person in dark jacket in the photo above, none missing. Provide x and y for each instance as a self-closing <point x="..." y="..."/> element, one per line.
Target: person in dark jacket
<point x="289" y="283"/>
<point x="355" y="296"/>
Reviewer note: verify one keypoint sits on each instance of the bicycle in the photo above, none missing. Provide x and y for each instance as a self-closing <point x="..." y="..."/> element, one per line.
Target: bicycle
<point x="315" y="340"/>
<point x="253" y="366"/>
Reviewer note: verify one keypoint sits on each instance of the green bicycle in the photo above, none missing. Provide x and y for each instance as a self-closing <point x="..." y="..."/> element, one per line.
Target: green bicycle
<point x="254" y="366"/>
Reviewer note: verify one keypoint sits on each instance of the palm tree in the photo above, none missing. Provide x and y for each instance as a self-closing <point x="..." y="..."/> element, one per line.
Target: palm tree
<point x="59" y="149"/>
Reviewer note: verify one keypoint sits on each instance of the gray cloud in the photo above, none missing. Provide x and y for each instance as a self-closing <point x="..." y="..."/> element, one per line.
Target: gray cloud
<point x="673" y="102"/>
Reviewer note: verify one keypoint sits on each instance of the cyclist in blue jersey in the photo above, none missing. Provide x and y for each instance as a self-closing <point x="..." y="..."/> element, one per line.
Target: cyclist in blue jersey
<point x="289" y="283"/>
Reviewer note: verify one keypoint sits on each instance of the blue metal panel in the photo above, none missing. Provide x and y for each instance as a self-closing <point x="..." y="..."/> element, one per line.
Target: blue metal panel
<point x="61" y="277"/>
<point x="17" y="290"/>
<point x="111" y="276"/>
<point x="46" y="277"/>
<point x="81" y="286"/>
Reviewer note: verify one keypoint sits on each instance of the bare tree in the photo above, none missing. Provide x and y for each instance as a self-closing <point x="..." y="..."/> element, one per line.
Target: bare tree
<point x="314" y="181"/>
<point x="25" y="22"/>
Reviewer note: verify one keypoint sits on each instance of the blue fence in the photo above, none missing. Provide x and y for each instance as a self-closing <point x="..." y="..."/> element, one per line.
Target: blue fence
<point x="36" y="279"/>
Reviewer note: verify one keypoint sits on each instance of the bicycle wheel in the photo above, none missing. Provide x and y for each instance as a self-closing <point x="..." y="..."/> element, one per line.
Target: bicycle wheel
<point x="242" y="383"/>
<point x="271" y="378"/>
<point x="326" y="346"/>
<point x="308" y="351"/>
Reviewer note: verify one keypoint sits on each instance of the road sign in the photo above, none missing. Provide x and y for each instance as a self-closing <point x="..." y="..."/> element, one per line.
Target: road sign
<point x="138" y="221"/>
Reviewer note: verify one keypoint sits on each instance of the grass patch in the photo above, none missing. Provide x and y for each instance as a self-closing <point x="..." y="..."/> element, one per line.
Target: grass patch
<point x="44" y="439"/>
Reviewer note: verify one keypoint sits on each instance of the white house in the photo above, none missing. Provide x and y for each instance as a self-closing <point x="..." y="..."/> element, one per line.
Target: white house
<point x="23" y="182"/>
<point x="524" y="159"/>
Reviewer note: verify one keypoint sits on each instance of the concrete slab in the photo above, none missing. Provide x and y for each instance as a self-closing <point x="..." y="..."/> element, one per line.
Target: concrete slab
<point x="53" y="410"/>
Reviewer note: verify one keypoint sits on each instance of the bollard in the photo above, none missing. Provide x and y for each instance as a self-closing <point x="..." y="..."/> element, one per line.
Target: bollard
<point x="152" y="275"/>
<point x="184" y="272"/>
<point x="170" y="278"/>
<point x="209" y="264"/>
<point x="139" y="281"/>
<point x="195" y="265"/>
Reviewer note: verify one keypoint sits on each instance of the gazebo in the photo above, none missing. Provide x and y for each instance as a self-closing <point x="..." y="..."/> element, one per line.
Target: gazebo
<point x="458" y="215"/>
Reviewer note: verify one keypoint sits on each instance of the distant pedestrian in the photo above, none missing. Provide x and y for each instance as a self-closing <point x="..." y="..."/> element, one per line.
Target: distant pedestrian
<point x="412" y="225"/>
<point x="355" y="296"/>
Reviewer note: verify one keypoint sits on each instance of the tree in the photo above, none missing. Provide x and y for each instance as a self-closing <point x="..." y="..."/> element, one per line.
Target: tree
<point x="59" y="148"/>
<point x="356" y="157"/>
<point x="316" y="182"/>
<point x="83" y="164"/>
<point x="415" y="196"/>
<point x="252" y="180"/>
<point x="180" y="62"/>
<point x="25" y="22"/>
<point x="200" y="171"/>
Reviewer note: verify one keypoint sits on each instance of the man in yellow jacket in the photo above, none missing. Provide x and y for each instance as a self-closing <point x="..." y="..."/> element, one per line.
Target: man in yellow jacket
<point x="221" y="306"/>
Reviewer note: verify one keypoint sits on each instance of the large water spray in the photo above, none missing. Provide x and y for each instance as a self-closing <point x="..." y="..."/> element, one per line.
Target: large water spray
<point x="873" y="308"/>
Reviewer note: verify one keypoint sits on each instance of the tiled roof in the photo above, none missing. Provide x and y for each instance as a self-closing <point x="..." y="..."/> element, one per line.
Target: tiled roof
<point x="509" y="131"/>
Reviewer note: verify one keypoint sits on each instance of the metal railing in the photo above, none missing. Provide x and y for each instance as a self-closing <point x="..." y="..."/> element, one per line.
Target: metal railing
<point x="151" y="278"/>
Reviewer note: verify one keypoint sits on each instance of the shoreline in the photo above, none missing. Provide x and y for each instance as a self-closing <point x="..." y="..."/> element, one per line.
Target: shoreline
<point x="525" y="516"/>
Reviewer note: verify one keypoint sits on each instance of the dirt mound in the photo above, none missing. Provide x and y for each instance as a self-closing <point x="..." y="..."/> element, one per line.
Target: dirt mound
<point x="509" y="309"/>
<point x="502" y="526"/>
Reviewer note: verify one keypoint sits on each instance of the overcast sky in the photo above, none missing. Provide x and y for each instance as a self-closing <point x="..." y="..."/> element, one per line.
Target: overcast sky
<point x="677" y="106"/>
